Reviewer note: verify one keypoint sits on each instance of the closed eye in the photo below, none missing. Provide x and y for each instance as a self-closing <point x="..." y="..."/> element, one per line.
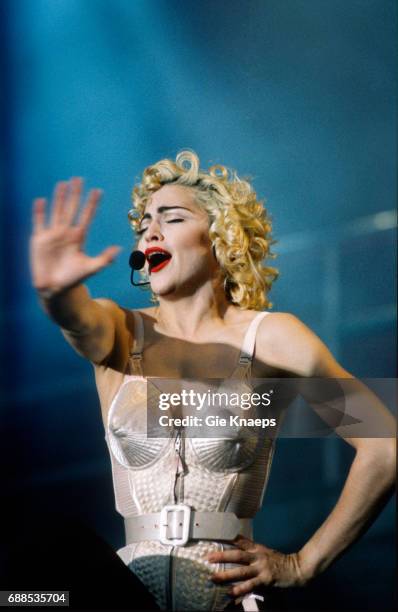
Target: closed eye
<point x="141" y="231"/>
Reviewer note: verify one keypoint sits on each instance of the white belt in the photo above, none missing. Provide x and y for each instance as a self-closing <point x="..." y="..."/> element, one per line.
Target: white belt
<point x="176" y="524"/>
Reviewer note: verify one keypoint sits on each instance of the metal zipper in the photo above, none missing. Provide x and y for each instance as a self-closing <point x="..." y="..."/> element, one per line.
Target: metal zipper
<point x="179" y="468"/>
<point x="169" y="588"/>
<point x="177" y="441"/>
<point x="178" y="494"/>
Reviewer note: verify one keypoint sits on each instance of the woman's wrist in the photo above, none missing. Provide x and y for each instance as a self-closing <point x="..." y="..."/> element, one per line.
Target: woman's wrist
<point x="309" y="564"/>
<point x="74" y="294"/>
<point x="48" y="293"/>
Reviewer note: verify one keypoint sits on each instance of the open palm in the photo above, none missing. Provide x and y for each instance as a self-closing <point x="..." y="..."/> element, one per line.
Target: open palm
<point x="58" y="260"/>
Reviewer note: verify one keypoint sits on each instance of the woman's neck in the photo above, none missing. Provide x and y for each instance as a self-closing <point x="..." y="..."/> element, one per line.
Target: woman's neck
<point x="192" y="316"/>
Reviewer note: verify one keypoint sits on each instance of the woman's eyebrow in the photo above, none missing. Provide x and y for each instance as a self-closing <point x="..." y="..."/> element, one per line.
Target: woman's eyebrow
<point x="162" y="209"/>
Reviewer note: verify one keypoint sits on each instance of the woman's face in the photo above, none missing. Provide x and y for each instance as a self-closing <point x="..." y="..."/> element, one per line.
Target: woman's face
<point x="174" y="235"/>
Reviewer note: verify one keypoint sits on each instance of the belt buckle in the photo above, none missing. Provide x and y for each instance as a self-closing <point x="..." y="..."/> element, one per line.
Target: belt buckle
<point x="185" y="524"/>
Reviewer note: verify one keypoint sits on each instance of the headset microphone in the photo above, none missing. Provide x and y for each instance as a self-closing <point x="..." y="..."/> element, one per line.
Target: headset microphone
<point x="136" y="262"/>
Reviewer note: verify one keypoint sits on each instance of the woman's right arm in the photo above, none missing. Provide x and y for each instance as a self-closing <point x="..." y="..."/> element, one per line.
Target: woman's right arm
<point x="59" y="266"/>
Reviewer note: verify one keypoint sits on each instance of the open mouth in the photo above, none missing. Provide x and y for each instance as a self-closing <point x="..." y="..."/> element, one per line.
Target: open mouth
<point x="157" y="259"/>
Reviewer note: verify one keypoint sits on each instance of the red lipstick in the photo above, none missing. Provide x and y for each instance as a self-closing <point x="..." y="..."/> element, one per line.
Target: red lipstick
<point x="158" y="258"/>
<point x="156" y="249"/>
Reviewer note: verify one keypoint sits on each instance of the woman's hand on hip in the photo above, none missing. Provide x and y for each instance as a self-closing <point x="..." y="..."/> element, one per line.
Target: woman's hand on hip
<point x="258" y="566"/>
<point x="56" y="246"/>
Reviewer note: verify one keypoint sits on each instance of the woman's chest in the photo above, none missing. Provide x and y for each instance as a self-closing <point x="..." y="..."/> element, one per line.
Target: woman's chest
<point x="141" y="433"/>
<point x="180" y="359"/>
<point x="176" y="359"/>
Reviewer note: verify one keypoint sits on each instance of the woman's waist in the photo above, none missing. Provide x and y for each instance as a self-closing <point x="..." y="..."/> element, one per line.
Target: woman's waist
<point x="178" y="525"/>
<point x="197" y="550"/>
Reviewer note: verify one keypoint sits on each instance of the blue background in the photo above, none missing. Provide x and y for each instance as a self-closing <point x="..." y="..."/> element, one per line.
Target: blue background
<point x="300" y="95"/>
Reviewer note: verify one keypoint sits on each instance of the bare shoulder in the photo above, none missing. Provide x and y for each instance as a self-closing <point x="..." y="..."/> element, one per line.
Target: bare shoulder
<point x="280" y="327"/>
<point x="285" y="342"/>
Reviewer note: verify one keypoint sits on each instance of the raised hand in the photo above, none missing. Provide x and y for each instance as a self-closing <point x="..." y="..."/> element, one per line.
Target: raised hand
<point x="57" y="258"/>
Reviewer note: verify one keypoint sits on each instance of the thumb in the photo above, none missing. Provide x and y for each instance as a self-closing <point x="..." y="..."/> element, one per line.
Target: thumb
<point x="105" y="258"/>
<point x="110" y="253"/>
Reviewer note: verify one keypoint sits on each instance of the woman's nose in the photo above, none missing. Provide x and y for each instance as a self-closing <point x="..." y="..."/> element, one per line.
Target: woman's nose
<point x="153" y="231"/>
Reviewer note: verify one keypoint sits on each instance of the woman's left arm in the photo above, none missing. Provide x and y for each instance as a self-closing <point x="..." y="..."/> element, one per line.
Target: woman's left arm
<point x="371" y="478"/>
<point x="370" y="482"/>
<point x="369" y="485"/>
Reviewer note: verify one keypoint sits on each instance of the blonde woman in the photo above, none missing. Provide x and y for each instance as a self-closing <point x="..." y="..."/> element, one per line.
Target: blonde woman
<point x="188" y="503"/>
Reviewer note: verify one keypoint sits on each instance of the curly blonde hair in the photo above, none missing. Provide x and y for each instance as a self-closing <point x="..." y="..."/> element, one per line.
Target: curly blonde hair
<point x="239" y="226"/>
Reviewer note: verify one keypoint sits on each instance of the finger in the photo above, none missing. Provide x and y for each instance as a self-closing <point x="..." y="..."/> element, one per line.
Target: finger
<point x="237" y="573"/>
<point x="39" y="214"/>
<point x="89" y="209"/>
<point x="244" y="543"/>
<point x="73" y="200"/>
<point x="231" y="556"/>
<point x="105" y="258"/>
<point x="57" y="212"/>
<point x="245" y="587"/>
